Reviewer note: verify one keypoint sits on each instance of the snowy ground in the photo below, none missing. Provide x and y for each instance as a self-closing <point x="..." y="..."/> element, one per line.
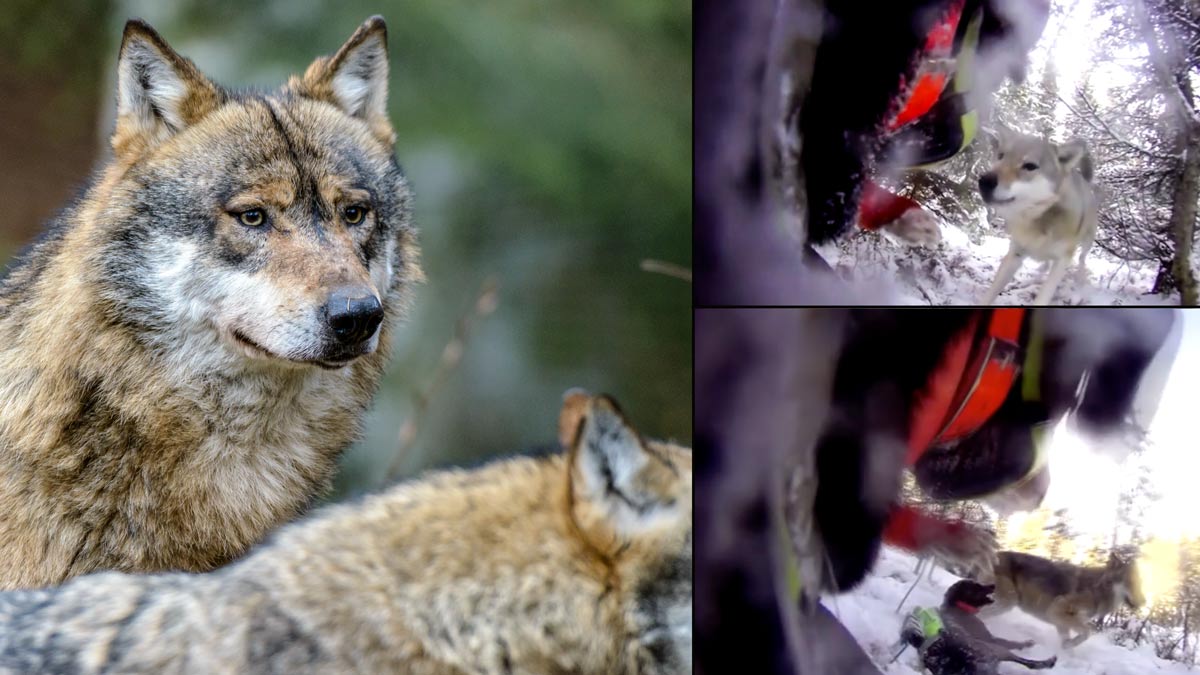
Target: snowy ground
<point x="869" y="612"/>
<point x="958" y="272"/>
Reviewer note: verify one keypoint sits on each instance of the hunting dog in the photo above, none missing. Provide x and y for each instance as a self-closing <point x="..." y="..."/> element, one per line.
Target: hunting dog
<point x="1044" y="193"/>
<point x="190" y="347"/>
<point x="964" y="645"/>
<point x="1062" y="594"/>
<point x="576" y="562"/>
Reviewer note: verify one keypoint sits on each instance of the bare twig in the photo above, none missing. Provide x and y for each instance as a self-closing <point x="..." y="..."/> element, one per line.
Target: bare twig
<point x="1094" y="120"/>
<point x="669" y="269"/>
<point x="1162" y="67"/>
<point x="485" y="304"/>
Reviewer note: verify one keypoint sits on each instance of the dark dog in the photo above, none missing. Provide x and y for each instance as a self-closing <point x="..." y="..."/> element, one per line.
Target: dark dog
<point x="964" y="646"/>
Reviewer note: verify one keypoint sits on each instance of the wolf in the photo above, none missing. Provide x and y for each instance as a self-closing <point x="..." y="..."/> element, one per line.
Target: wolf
<point x="575" y="562"/>
<point x="1062" y="594"/>
<point x="192" y="344"/>
<point x="1045" y="195"/>
<point x="964" y="645"/>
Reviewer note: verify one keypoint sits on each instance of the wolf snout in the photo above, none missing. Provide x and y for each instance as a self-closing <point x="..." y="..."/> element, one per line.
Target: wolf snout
<point x="987" y="186"/>
<point x="353" y="314"/>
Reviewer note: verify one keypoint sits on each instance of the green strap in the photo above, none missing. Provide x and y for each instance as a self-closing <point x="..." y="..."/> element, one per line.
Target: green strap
<point x="1031" y="387"/>
<point x="931" y="622"/>
<point x="791" y="566"/>
<point x="962" y="75"/>
<point x="1031" y="377"/>
<point x="965" y="60"/>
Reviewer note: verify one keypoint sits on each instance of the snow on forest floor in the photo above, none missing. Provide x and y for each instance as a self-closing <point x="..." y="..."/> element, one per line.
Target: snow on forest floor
<point x="869" y="613"/>
<point x="958" y="272"/>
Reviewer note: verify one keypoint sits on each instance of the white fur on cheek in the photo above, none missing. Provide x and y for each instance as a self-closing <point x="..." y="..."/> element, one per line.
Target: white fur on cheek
<point x="381" y="270"/>
<point x="1030" y="198"/>
<point x="201" y="302"/>
<point x="1038" y="189"/>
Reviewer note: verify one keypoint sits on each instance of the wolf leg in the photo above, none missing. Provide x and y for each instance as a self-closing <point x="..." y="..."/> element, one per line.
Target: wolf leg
<point x="1008" y="269"/>
<point x="1084" y="634"/>
<point x="1085" y="244"/>
<point x="1058" y="270"/>
<point x="1066" y="619"/>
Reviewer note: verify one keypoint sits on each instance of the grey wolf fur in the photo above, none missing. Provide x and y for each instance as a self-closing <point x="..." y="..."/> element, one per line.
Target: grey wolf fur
<point x="1044" y="194"/>
<point x="193" y="343"/>
<point x="965" y="646"/>
<point x="579" y="562"/>
<point x="1062" y="594"/>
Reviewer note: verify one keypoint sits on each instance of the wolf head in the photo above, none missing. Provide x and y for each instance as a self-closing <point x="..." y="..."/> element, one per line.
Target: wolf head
<point x="1126" y="583"/>
<point x="1028" y="172"/>
<point x="631" y="500"/>
<point x="266" y="226"/>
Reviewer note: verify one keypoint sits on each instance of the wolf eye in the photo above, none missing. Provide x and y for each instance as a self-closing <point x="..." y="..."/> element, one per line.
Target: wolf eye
<point x="1000" y="156"/>
<point x="1029" y="166"/>
<point x="354" y="215"/>
<point x="252" y="217"/>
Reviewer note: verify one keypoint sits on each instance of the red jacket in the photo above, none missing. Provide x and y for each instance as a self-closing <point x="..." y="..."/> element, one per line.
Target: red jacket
<point x="974" y="376"/>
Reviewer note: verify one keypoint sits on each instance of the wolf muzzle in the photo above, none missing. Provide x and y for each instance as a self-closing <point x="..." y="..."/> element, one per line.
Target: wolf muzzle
<point x="353" y="314"/>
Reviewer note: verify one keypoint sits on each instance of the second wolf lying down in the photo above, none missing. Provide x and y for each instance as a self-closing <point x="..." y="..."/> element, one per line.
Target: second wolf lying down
<point x="1065" y="595"/>
<point x="574" y="563"/>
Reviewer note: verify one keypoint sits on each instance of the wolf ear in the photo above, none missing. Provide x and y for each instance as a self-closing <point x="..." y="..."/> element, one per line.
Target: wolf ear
<point x="611" y="469"/>
<point x="1074" y="154"/>
<point x="354" y="79"/>
<point x="999" y="137"/>
<point x="159" y="92"/>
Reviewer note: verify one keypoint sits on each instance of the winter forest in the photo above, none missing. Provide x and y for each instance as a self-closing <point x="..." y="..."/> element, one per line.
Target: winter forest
<point x="1169" y="568"/>
<point x="1119" y="75"/>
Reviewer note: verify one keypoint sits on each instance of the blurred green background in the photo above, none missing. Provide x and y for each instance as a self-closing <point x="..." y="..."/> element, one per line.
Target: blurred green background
<point x="549" y="145"/>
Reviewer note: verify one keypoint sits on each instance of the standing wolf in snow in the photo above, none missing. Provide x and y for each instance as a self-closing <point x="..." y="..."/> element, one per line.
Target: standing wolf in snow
<point x="1062" y="594"/>
<point x="1044" y="194"/>
<point x="579" y="562"/>
<point x="186" y="352"/>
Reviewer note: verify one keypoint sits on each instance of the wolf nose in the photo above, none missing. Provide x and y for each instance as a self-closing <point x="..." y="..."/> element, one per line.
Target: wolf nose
<point x="987" y="185"/>
<point x="353" y="314"/>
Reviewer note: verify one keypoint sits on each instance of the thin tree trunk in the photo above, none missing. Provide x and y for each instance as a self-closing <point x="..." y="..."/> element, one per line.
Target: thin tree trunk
<point x="1183" y="217"/>
<point x="1171" y="69"/>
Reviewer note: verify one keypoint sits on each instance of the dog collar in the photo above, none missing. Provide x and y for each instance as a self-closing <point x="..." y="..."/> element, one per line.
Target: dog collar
<point x="969" y="609"/>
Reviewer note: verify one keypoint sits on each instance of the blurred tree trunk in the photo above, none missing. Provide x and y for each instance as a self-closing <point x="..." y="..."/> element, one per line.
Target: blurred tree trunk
<point x="1170" y="61"/>
<point x="53" y="57"/>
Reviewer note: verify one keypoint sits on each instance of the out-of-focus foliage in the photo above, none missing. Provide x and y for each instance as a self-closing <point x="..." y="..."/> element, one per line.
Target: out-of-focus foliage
<point x="549" y="145"/>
